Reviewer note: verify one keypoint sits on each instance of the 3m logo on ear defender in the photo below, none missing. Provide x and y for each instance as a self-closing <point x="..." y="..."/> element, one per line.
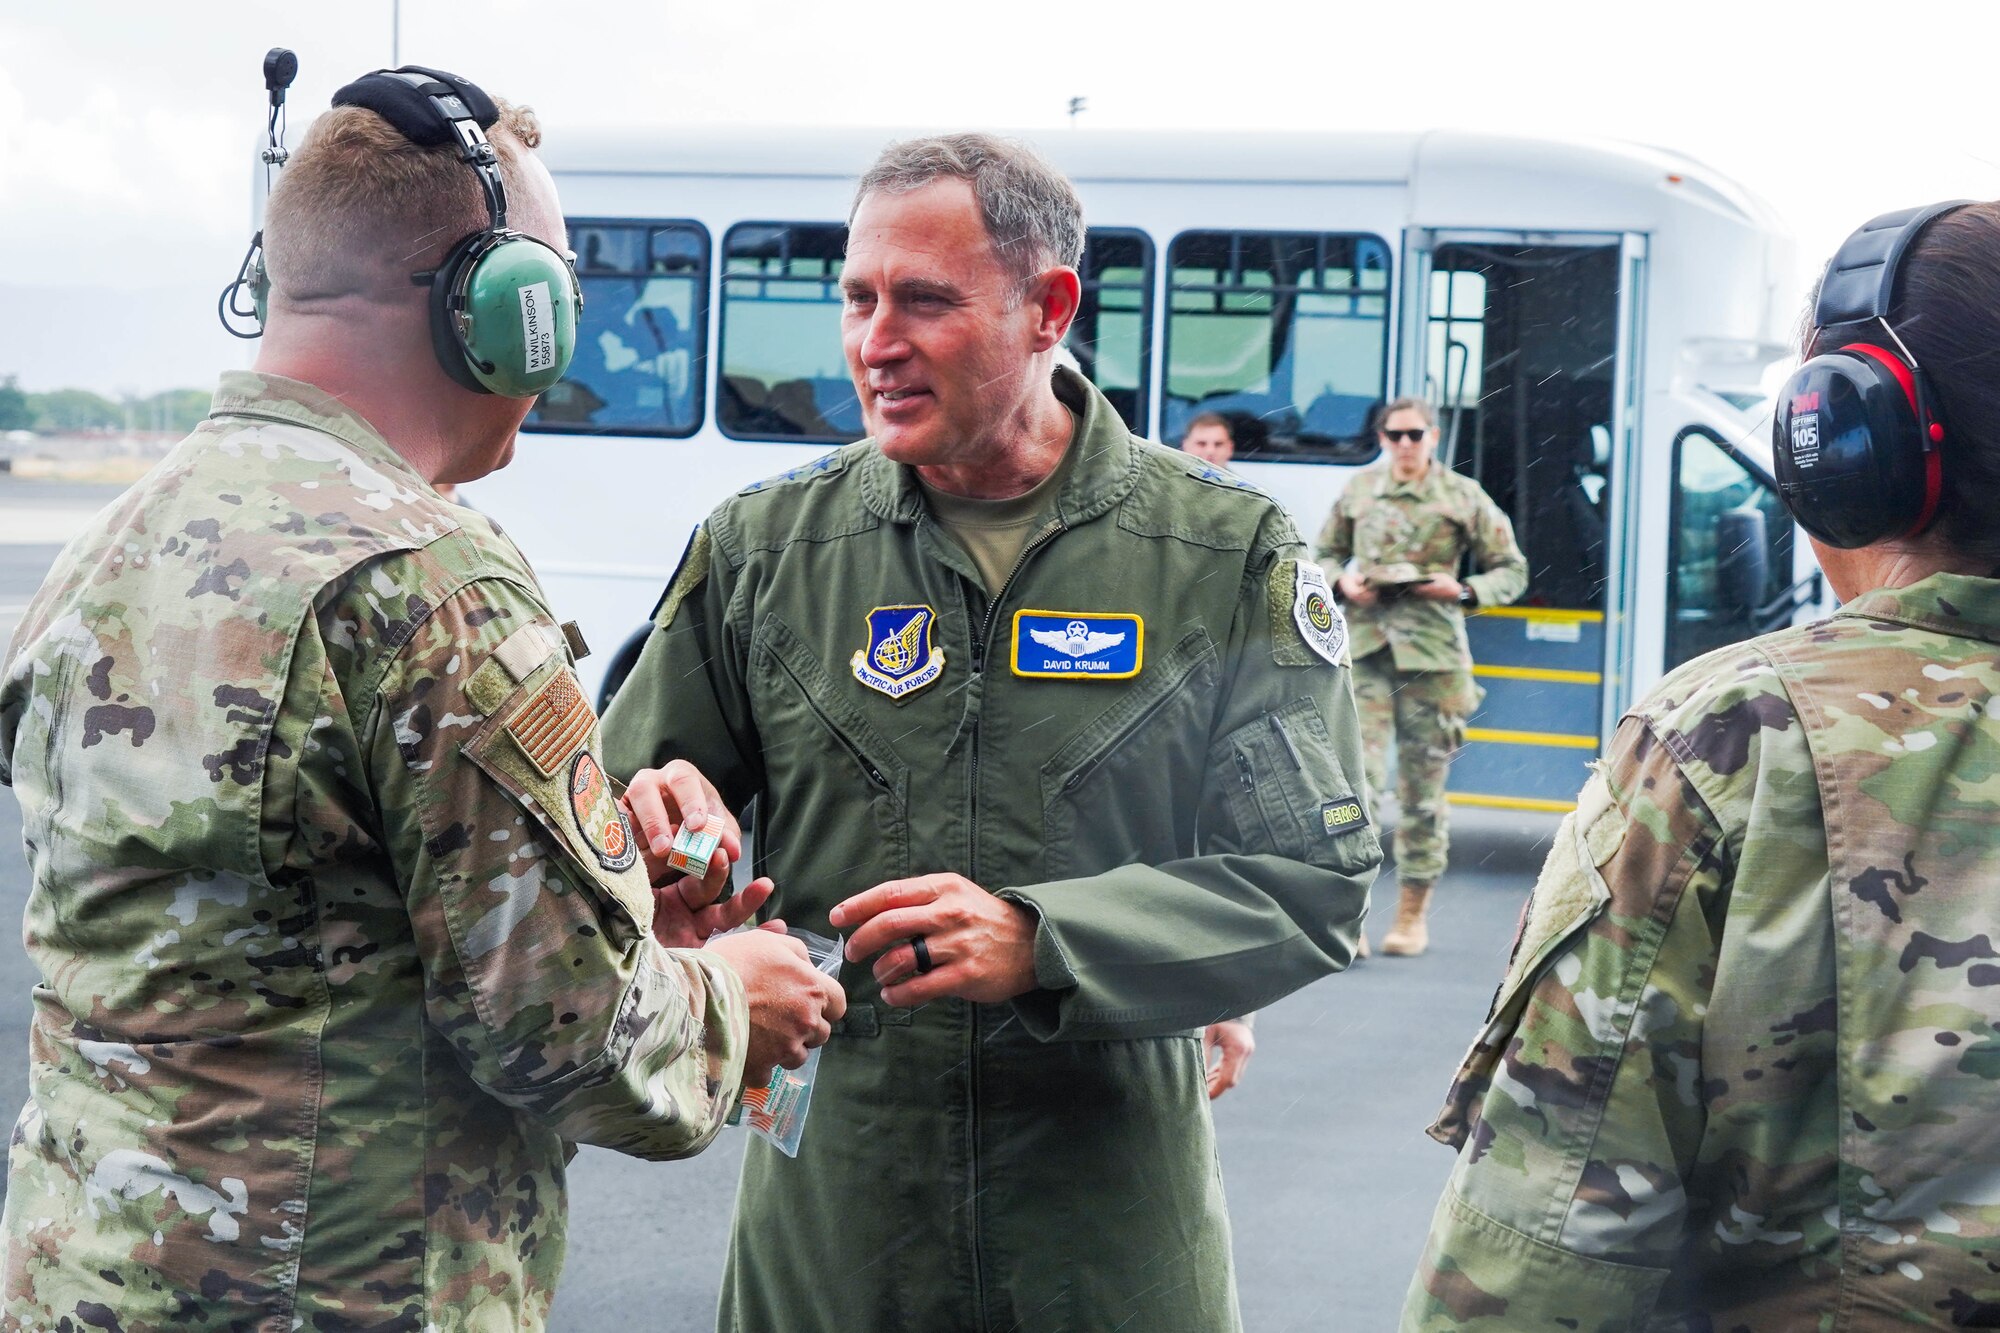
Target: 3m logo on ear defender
<point x="1342" y="816"/>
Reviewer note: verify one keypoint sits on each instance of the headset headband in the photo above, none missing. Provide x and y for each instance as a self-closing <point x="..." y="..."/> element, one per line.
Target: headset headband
<point x="432" y="108"/>
<point x="1860" y="282"/>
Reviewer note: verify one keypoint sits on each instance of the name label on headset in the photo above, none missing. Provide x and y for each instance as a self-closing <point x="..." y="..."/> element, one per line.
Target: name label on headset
<point x="538" y="327"/>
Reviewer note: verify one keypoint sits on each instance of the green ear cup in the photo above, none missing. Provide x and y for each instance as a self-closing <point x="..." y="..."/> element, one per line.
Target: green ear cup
<point x="517" y="316"/>
<point x="260" y="288"/>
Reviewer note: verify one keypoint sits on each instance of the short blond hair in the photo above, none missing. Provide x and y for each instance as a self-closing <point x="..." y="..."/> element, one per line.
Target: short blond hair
<point x="358" y="198"/>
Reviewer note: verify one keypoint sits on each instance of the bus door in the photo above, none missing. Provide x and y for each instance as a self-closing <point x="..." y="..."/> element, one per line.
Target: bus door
<point x="1527" y="343"/>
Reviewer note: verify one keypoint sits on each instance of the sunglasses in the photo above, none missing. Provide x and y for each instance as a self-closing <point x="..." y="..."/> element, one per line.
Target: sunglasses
<point x="1398" y="436"/>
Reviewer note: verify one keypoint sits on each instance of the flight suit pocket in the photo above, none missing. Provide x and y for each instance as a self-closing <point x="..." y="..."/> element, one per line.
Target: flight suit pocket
<point x="1288" y="790"/>
<point x="540" y="746"/>
<point x="1124" y="779"/>
<point x="802" y="706"/>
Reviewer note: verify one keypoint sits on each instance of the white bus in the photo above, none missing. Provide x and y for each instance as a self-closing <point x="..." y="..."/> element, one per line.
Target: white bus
<point x="1596" y="321"/>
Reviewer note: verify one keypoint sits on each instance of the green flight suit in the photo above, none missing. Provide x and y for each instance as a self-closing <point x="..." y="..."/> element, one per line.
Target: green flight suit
<point x="1191" y="837"/>
<point x="343" y="943"/>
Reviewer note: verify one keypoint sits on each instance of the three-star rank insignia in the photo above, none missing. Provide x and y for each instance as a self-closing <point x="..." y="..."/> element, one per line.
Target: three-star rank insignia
<point x="598" y="816"/>
<point x="902" y="655"/>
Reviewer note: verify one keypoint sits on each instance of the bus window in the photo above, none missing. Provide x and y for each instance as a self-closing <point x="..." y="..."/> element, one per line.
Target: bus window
<point x="1284" y="333"/>
<point x="1458" y="343"/>
<point x="1113" y="333"/>
<point x="784" y="376"/>
<point x="640" y="344"/>
<point x="1730" y="557"/>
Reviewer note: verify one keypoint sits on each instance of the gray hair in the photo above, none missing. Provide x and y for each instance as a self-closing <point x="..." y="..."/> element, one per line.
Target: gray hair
<point x="1030" y="209"/>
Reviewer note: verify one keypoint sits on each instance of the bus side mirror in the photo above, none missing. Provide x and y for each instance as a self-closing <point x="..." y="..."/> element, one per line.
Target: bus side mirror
<point x="1742" y="562"/>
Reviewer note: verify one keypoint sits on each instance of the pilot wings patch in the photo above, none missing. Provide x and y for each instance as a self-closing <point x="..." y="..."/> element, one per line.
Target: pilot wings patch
<point x="1071" y="645"/>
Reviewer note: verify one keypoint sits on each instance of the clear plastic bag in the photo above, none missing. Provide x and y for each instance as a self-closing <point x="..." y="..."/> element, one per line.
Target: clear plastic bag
<point x="777" y="1108"/>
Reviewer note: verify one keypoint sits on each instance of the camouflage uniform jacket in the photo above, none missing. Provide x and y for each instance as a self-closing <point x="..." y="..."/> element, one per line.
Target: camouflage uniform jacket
<point x="340" y="935"/>
<point x="1190" y="834"/>
<point x="1743" y="1072"/>
<point x="1431" y="523"/>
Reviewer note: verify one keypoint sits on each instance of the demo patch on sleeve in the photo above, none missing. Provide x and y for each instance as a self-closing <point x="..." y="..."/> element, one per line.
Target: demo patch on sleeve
<point x="1075" y="645"/>
<point x="1342" y="816"/>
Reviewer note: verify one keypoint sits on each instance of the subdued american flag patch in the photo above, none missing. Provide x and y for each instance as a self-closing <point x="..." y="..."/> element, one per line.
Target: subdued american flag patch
<point x="550" y="727"/>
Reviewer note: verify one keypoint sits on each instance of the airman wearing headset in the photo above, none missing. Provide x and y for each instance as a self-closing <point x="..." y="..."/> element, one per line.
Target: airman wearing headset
<point x="345" y="936"/>
<point x="1743" y="1071"/>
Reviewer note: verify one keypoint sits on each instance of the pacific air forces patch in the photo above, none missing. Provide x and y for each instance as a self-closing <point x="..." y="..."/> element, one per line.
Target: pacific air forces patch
<point x="1316" y="614"/>
<point x="902" y="655"/>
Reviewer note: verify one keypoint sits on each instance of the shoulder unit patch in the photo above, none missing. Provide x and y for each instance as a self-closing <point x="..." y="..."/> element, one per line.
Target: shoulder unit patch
<point x="1317" y="616"/>
<point x="598" y="816"/>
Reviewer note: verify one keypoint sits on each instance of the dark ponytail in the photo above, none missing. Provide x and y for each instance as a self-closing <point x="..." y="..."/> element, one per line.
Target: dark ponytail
<point x="1947" y="311"/>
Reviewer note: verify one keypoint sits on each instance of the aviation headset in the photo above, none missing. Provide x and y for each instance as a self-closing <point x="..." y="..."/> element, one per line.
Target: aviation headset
<point x="1857" y="436"/>
<point x="503" y="305"/>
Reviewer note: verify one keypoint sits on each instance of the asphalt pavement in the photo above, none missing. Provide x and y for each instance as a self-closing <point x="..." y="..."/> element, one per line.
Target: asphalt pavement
<point x="1330" y="1178"/>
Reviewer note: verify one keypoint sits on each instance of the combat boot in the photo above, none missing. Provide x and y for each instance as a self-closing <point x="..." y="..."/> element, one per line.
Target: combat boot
<point x="1409" y="936"/>
<point x="1361" y="944"/>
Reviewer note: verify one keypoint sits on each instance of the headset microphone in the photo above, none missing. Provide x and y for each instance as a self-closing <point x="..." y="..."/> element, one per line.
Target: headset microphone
<point x="280" y="68"/>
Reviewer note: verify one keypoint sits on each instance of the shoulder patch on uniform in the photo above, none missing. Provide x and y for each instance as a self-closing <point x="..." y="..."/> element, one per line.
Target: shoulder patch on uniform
<point x="1306" y="624"/>
<point x="598" y="815"/>
<point x="826" y="465"/>
<point x="688" y="575"/>
<point x="551" y="727"/>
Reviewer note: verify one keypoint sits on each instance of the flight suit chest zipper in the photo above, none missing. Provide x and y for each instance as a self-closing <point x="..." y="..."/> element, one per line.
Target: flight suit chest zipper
<point x="981" y="649"/>
<point x="867" y="766"/>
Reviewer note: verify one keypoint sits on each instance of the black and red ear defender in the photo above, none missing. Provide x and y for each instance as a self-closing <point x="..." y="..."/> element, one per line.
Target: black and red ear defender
<point x="1856" y="438"/>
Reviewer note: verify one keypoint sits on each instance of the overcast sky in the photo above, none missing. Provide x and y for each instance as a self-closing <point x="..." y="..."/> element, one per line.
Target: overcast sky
<point x="126" y="129"/>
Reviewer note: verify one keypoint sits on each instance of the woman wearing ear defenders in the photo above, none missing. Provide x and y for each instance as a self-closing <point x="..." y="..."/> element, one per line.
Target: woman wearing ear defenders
<point x="1744" y="1069"/>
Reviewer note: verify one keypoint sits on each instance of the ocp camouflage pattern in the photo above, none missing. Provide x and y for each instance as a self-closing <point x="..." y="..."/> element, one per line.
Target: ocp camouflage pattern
<point x="1431" y="523"/>
<point x="333" y="976"/>
<point x="1426" y="712"/>
<point x="1743" y="1073"/>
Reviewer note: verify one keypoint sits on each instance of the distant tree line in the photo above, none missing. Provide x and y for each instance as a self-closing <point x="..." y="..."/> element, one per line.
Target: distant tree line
<point x="66" y="411"/>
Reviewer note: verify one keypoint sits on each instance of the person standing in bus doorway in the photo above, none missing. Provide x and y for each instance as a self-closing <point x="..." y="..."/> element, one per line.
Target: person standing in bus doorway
<point x="1210" y="438"/>
<point x="1741" y="1071"/>
<point x="1407" y="525"/>
<point x="345" y="942"/>
<point x="1053" y="724"/>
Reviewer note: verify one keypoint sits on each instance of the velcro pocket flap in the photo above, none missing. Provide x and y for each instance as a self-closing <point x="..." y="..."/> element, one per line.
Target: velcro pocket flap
<point x="569" y="795"/>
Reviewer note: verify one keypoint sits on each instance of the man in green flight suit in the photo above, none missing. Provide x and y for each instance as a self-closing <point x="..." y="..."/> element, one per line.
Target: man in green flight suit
<point x="1053" y="724"/>
<point x="1406" y="524"/>
<point x="345" y="941"/>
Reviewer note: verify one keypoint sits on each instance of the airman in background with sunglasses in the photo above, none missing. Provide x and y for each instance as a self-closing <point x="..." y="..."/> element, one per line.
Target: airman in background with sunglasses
<point x="1399" y="534"/>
